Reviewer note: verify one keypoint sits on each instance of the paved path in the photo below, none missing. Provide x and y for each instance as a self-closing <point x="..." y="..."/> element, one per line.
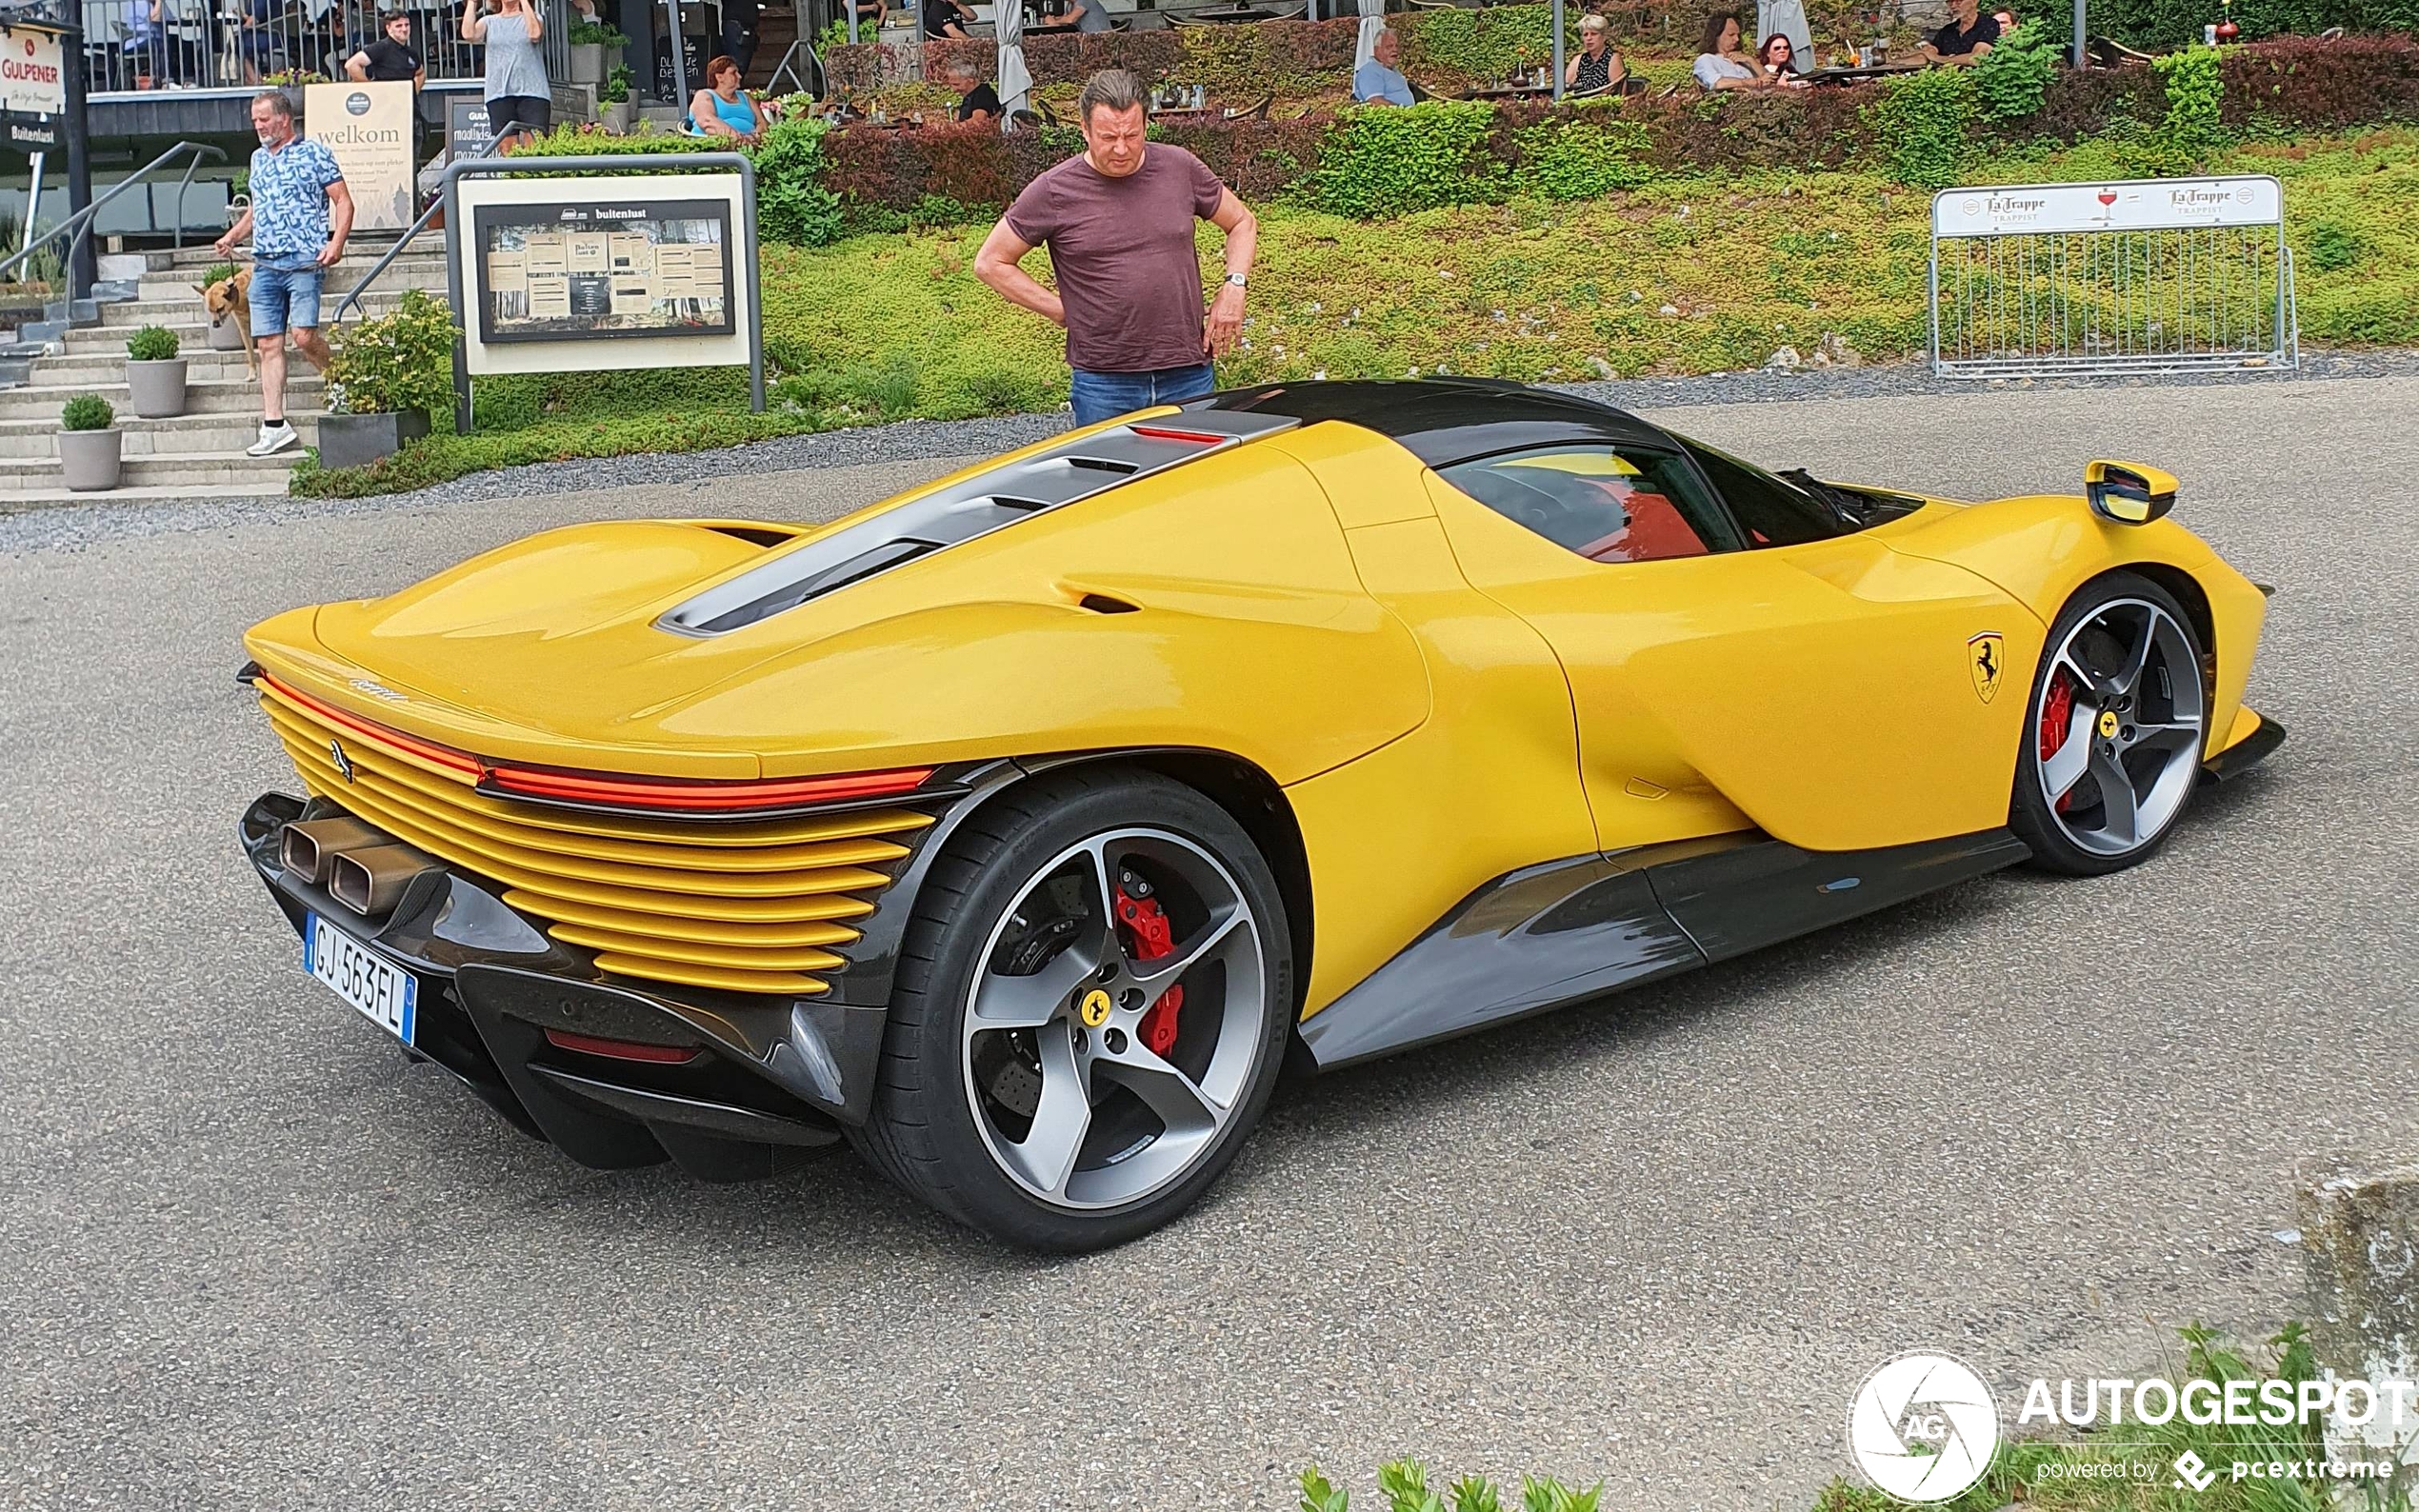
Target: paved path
<point x="253" y="1260"/>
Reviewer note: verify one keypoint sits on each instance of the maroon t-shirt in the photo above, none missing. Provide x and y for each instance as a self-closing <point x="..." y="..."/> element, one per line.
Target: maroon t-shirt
<point x="1123" y="251"/>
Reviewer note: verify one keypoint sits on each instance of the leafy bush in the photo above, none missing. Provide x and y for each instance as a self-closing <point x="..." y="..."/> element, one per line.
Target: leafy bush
<point x="1923" y="125"/>
<point x="1388" y="161"/>
<point x="1480" y="46"/>
<point x="2195" y="100"/>
<point x="616" y="89"/>
<point x="792" y="204"/>
<point x="1582" y="159"/>
<point x="595" y="33"/>
<point x="87" y="413"/>
<point x="151" y="344"/>
<point x="396" y="363"/>
<point x="2011" y="82"/>
<point x="217" y="272"/>
<point x="2334" y="246"/>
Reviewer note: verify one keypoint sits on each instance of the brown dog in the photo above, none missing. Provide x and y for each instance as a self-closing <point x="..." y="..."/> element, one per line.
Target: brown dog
<point x="232" y="298"/>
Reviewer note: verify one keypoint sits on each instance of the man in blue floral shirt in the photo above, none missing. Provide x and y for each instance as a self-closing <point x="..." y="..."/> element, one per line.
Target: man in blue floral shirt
<point x="299" y="216"/>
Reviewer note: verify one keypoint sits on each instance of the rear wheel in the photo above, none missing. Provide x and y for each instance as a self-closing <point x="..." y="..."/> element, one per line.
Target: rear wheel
<point x="2113" y="735"/>
<point x="1092" y="1007"/>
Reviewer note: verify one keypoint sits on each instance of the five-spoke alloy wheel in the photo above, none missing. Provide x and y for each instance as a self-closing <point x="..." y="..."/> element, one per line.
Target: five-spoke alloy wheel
<point x="2114" y="734"/>
<point x="1091" y="1013"/>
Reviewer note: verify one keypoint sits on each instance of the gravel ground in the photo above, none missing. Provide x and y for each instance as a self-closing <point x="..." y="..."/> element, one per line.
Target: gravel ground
<point x="253" y="1260"/>
<point x="913" y="440"/>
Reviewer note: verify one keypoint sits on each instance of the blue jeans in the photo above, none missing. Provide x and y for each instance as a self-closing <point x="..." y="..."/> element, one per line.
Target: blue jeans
<point x="1106" y="395"/>
<point x="283" y="297"/>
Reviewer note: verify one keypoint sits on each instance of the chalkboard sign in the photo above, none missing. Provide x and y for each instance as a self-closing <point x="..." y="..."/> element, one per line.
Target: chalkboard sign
<point x="467" y="133"/>
<point x="665" y="86"/>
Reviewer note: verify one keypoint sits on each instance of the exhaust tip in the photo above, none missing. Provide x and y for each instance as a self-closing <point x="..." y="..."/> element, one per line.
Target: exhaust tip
<point x="372" y="881"/>
<point x="305" y="849"/>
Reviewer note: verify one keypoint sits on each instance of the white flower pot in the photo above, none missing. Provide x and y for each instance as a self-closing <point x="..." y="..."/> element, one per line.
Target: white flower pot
<point x="620" y="116"/>
<point x="225" y="335"/>
<point x="588" y="63"/>
<point x="89" y="461"/>
<point x="156" y="390"/>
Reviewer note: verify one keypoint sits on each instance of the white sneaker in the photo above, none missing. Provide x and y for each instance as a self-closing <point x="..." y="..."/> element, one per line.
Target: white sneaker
<point x="273" y="439"/>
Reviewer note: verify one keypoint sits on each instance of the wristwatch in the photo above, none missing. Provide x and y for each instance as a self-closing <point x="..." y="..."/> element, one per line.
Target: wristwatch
<point x="1238" y="280"/>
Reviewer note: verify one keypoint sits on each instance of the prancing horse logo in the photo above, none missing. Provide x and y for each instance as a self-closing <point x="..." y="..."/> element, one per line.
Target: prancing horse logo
<point x="344" y="762"/>
<point x="1982" y="658"/>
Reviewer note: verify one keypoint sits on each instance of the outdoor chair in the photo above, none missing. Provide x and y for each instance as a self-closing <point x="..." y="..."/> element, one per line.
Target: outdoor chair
<point x="1289" y="14"/>
<point x="1025" y="120"/>
<point x="2110" y="53"/>
<point x="1258" y="111"/>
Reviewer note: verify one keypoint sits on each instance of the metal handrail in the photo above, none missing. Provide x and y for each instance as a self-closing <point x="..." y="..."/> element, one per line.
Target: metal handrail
<point x="378" y="268"/>
<point x="82" y="221"/>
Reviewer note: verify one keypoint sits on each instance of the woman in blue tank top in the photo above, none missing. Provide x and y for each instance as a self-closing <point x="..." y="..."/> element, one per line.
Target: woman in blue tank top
<point x="723" y="108"/>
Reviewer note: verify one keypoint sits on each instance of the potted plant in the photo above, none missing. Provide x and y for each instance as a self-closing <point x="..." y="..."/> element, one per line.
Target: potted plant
<point x="289" y="83"/>
<point x="385" y="377"/>
<point x="621" y="112"/>
<point x="226" y="331"/>
<point x="89" y="458"/>
<point x="155" y="374"/>
<point x="590" y="41"/>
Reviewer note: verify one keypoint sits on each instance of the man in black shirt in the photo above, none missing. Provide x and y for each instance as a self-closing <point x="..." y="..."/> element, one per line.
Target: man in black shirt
<point x="390" y="56"/>
<point x="982" y="102"/>
<point x="946" y="20"/>
<point x="1965" y="40"/>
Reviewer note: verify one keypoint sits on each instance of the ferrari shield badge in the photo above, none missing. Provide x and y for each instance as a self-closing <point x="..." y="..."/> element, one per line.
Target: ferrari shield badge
<point x="1982" y="658"/>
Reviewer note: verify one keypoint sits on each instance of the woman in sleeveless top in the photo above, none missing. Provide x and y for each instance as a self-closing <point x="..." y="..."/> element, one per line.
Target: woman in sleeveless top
<point x="517" y="91"/>
<point x="1596" y="65"/>
<point x="723" y="108"/>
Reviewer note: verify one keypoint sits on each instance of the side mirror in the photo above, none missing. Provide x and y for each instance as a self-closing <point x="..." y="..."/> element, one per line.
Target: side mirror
<point x="2128" y="492"/>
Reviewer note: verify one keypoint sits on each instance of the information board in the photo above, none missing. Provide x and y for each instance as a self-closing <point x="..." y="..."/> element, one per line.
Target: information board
<point x="602" y="271"/>
<point x="369" y="127"/>
<point x="33" y="86"/>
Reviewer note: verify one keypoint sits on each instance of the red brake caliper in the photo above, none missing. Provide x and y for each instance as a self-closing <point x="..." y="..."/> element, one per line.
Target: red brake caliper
<point x="2057" y="713"/>
<point x="1148" y="937"/>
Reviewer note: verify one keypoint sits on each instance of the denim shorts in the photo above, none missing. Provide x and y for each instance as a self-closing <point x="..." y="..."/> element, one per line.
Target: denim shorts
<point x="1105" y="395"/>
<point x="285" y="296"/>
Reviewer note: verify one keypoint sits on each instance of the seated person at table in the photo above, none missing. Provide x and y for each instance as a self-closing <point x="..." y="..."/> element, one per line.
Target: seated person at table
<point x="1596" y="65"/>
<point x="869" y="13"/>
<point x="1719" y="65"/>
<point x="722" y="108"/>
<point x="1965" y="40"/>
<point x="2006" y="20"/>
<point x="946" y="20"/>
<point x="258" y="42"/>
<point x="1088" y="15"/>
<point x="390" y="57"/>
<point x="1377" y="82"/>
<point x="145" y="46"/>
<point x="980" y="102"/>
<point x="1777" y="61"/>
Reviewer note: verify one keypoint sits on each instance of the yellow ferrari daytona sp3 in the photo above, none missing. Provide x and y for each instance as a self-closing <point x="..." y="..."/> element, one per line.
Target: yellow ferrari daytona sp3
<point x="1017" y="829"/>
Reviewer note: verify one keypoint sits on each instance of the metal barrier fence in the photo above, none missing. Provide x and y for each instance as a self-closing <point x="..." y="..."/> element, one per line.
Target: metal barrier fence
<point x="133" y="45"/>
<point x="2155" y="276"/>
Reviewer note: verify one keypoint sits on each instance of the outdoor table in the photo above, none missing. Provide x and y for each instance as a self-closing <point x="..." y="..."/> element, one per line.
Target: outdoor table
<point x="1225" y="14"/>
<point x="1858" y="75"/>
<point x="1509" y="91"/>
<point x="1051" y="28"/>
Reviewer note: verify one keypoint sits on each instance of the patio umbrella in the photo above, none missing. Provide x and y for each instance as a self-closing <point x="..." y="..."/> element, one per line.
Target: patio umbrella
<point x="1014" y="80"/>
<point x="1373" y="22"/>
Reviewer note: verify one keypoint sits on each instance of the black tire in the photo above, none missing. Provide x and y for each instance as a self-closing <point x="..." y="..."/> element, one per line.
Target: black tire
<point x="2172" y="678"/>
<point x="923" y="1131"/>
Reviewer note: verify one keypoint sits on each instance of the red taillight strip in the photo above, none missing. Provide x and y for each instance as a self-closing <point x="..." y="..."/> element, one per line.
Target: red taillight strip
<point x="443" y="756"/>
<point x="1168" y="433"/>
<point x="605" y="789"/>
<point x="622" y="1050"/>
<point x="703" y="796"/>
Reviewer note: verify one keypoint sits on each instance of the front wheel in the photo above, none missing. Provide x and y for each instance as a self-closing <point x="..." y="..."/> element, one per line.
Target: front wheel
<point x="2112" y="738"/>
<point x="1091" y="1008"/>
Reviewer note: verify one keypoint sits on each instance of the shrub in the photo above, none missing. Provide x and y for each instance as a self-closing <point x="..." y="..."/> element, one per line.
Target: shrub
<point x="1389" y="161"/>
<point x="87" y="413"/>
<point x="151" y="344"/>
<point x="1923" y="126"/>
<point x="2195" y="93"/>
<point x="616" y="89"/>
<point x="2334" y="246"/>
<point x="1583" y="159"/>
<point x="595" y="33"/>
<point x="396" y="362"/>
<point x="217" y="272"/>
<point x="2010" y="82"/>
<point x="792" y="204"/>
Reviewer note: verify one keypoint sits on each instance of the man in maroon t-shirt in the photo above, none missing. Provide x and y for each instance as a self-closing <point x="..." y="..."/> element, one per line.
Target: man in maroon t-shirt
<point x="1118" y="222"/>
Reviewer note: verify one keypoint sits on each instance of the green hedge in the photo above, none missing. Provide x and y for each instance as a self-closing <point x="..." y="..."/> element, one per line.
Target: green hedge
<point x="793" y="204"/>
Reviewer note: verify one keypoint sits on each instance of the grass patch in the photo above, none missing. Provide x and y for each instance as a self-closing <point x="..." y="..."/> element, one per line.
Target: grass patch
<point x="1674" y="277"/>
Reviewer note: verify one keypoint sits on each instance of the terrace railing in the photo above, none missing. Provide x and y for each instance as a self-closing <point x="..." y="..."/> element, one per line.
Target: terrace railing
<point x="239" y="44"/>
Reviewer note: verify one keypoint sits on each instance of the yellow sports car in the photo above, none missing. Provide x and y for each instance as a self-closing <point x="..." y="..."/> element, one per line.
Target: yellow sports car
<point x="1018" y="828"/>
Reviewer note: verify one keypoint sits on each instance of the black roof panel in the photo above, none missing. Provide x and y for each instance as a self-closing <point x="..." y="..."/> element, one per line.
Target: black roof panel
<point x="1443" y="420"/>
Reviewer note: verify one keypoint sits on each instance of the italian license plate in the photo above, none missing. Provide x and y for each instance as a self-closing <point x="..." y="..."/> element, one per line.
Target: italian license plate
<point x="386" y="995"/>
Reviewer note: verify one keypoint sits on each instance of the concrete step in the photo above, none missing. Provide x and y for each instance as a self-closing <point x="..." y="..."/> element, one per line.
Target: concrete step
<point x="215" y="395"/>
<point x="17" y="501"/>
<point x="225" y="431"/>
<point x="94" y="366"/>
<point x="166" y="470"/>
